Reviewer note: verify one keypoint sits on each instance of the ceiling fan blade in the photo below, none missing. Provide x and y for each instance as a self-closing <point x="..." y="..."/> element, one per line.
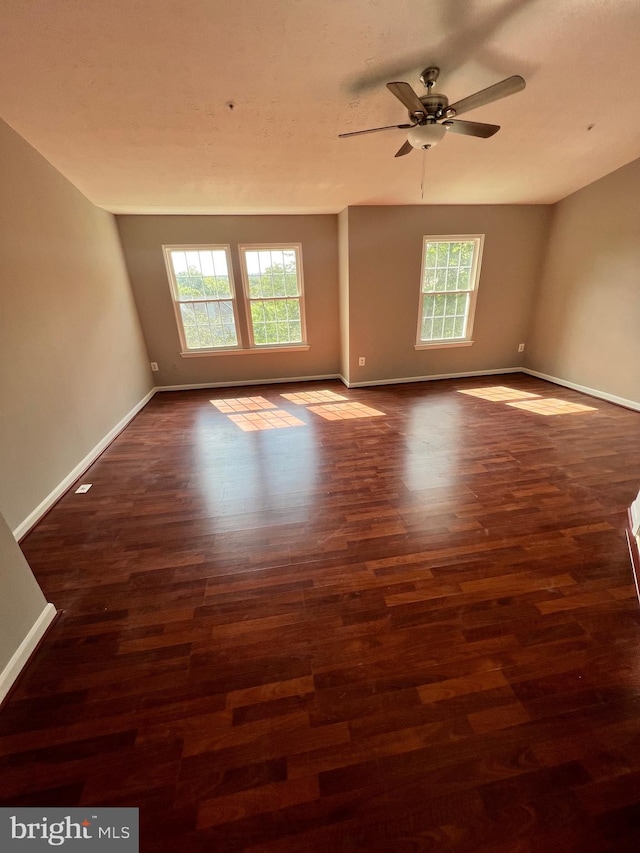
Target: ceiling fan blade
<point x="472" y="128"/>
<point x="406" y="148"/>
<point x="492" y="93"/>
<point x="375" y="130"/>
<point x="408" y="97"/>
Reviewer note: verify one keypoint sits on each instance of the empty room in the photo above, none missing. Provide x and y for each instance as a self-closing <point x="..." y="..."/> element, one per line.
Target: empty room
<point x="320" y="426"/>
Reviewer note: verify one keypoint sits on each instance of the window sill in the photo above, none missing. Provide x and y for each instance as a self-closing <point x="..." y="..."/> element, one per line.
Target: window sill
<point x="245" y="351"/>
<point x="442" y="344"/>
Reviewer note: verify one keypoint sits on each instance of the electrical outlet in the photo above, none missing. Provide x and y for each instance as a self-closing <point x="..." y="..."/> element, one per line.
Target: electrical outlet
<point x="154" y="366"/>
<point x="84" y="488"/>
<point x="520" y="347"/>
<point x="361" y="361"/>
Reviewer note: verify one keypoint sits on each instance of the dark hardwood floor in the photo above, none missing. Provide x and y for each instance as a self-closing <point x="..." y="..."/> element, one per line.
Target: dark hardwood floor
<point x="405" y="632"/>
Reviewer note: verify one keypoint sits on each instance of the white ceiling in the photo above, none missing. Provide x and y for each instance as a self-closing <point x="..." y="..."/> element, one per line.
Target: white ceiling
<point x="128" y="99"/>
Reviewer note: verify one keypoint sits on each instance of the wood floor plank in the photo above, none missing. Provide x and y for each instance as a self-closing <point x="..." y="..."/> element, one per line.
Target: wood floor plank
<point x="406" y="632"/>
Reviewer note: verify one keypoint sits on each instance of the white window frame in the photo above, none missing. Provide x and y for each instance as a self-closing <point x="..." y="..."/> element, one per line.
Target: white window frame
<point x="177" y="301"/>
<point x="274" y="247"/>
<point x="474" y="280"/>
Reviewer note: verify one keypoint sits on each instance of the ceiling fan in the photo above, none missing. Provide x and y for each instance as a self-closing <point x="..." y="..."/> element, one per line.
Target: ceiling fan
<point x="432" y="116"/>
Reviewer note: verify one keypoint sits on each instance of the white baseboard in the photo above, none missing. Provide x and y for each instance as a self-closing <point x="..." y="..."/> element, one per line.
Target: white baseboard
<point x="584" y="389"/>
<point x="24" y="651"/>
<point x="240" y="382"/>
<point x="25" y="526"/>
<point x="433" y="377"/>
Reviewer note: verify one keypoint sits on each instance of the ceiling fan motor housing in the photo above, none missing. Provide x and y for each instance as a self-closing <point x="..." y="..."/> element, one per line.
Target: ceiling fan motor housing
<point x="436" y="105"/>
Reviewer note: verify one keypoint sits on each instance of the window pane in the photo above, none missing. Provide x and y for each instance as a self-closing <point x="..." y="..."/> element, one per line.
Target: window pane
<point x="264" y="261"/>
<point x="454" y="254"/>
<point x="466" y="254"/>
<point x="279" y="287"/>
<point x="178" y="262"/>
<point x="452" y="278"/>
<point x="206" y="263"/>
<point x="267" y="284"/>
<point x="200" y="309"/>
<point x="443" y="254"/>
<point x="428" y="306"/>
<point x="257" y="312"/>
<point x="448" y="327"/>
<point x="463" y="279"/>
<point x="462" y="304"/>
<point x="439" y="302"/>
<point x="438" y="327"/>
<point x="193" y="263"/>
<point x="219" y="262"/>
<point x="441" y="279"/>
<point x="431" y="255"/>
<point x="294" y="309"/>
<point x="459" y="327"/>
<point x="429" y="281"/>
<point x="427" y="327"/>
<point x="291" y="284"/>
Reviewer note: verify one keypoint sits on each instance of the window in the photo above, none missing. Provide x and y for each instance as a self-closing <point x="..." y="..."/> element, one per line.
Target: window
<point x="203" y="293"/>
<point x="215" y="318"/>
<point x="273" y="289"/>
<point x="450" y="272"/>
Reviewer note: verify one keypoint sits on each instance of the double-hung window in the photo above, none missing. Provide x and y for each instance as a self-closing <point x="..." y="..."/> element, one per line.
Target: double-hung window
<point x="273" y="290"/>
<point x="214" y="316"/>
<point x="204" y="296"/>
<point x="448" y="290"/>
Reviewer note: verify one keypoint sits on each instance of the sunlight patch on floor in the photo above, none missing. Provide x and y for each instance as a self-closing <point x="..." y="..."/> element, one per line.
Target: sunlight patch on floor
<point x="551" y="406"/>
<point x="498" y="393"/>
<point x="242" y="404"/>
<point x="306" y="397"/>
<point x="254" y="421"/>
<point x="345" y="411"/>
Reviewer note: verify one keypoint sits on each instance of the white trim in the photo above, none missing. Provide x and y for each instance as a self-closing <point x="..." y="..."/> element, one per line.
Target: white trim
<point x="240" y="382"/>
<point x="34" y="517"/>
<point x="584" y="389"/>
<point x="442" y="344"/>
<point x="21" y="656"/>
<point x="258" y="348"/>
<point x="435" y="376"/>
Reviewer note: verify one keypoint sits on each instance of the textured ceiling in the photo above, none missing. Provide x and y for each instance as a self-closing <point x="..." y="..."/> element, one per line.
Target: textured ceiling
<point x="129" y="100"/>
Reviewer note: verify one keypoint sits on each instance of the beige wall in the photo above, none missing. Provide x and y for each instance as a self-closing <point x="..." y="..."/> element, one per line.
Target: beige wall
<point x="586" y="326"/>
<point x="21" y="601"/>
<point x="72" y="356"/>
<point x="142" y="239"/>
<point x="385" y="253"/>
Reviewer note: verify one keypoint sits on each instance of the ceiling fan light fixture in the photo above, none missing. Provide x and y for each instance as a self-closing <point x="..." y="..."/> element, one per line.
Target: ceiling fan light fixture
<point x="426" y="135"/>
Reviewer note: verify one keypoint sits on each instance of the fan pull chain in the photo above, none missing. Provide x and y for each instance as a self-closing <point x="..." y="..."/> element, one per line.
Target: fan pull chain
<point x="424" y="168"/>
